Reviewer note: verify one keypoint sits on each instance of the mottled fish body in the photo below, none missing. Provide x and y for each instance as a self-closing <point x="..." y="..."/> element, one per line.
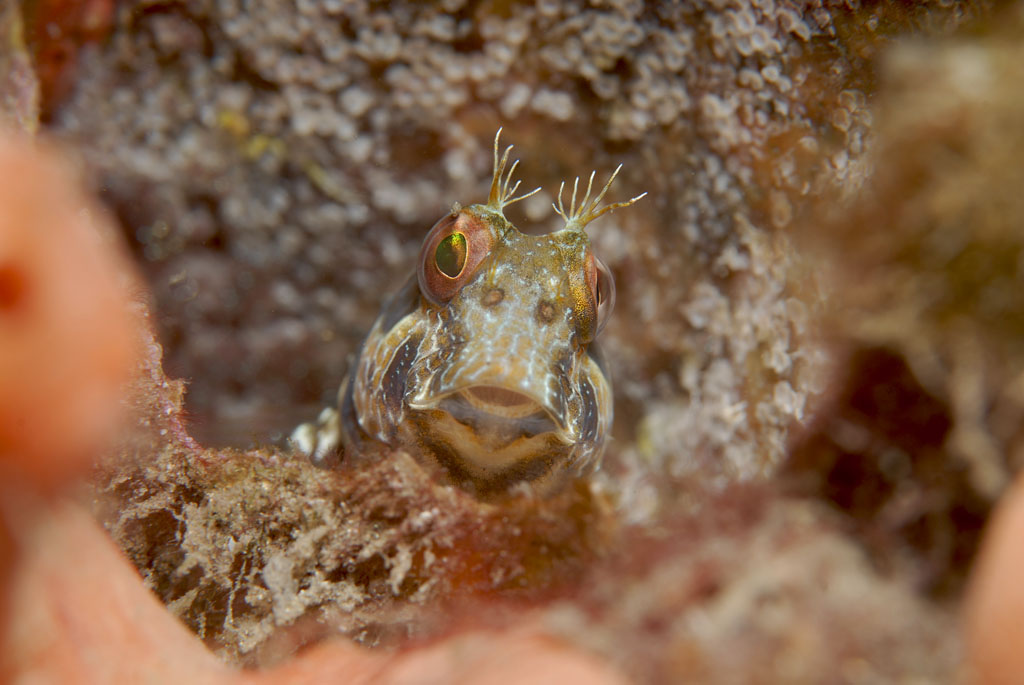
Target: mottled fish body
<point x="484" y="366"/>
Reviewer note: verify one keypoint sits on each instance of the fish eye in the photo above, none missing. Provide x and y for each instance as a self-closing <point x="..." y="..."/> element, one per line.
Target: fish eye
<point x="594" y="299"/>
<point x="451" y="253"/>
<point x="604" y="294"/>
<point x="450" y="256"/>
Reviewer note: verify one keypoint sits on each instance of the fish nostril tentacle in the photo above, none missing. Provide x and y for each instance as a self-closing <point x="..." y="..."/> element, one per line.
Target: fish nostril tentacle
<point x="492" y="297"/>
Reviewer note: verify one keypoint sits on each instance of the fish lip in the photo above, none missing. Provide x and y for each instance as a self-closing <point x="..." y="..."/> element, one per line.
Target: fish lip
<point x="500" y="401"/>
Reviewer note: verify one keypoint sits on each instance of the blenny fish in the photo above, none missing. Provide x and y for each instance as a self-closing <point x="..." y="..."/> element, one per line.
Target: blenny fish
<point x="484" y="366"/>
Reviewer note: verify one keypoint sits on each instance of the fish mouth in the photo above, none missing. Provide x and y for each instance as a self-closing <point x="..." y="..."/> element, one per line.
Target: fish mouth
<point x="502" y="415"/>
<point x="501" y="412"/>
<point x="498" y="411"/>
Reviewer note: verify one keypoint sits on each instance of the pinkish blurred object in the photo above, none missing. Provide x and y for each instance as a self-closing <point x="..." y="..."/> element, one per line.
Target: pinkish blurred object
<point x="68" y="337"/>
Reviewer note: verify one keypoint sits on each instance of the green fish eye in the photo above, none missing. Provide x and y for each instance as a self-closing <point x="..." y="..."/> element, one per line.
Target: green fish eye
<point x="450" y="255"/>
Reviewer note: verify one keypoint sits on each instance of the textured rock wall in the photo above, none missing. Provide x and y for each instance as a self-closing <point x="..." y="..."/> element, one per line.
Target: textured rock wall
<point x="277" y="164"/>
